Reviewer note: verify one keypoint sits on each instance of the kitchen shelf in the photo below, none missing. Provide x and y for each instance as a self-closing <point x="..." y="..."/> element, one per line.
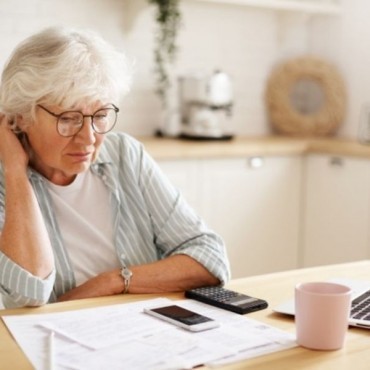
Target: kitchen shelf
<point x="306" y="6"/>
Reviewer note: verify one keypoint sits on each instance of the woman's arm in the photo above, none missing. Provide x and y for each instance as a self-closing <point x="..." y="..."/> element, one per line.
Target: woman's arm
<point x="24" y="238"/>
<point x="172" y="274"/>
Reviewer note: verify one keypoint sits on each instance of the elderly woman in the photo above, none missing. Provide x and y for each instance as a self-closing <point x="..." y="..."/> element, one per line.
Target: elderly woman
<point x="83" y="212"/>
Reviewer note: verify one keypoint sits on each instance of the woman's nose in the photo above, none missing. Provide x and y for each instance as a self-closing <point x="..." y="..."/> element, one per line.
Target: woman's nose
<point x="87" y="133"/>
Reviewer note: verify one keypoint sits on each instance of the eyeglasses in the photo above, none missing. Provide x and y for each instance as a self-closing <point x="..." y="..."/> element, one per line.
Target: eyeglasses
<point x="70" y="123"/>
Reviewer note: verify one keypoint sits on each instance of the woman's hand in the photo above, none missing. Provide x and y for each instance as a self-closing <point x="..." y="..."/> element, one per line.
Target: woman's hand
<point x="105" y="284"/>
<point x="12" y="154"/>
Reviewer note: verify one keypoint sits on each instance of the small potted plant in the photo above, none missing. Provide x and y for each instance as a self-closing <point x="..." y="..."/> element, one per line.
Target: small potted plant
<point x="168" y="20"/>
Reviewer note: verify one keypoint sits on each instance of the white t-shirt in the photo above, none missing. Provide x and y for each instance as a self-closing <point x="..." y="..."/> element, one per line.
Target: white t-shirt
<point x="85" y="222"/>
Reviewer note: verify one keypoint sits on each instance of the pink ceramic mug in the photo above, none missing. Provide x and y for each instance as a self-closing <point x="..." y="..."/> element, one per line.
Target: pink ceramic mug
<point x="321" y="314"/>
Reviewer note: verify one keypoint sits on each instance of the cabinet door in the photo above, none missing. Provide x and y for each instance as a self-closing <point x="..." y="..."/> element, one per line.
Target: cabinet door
<point x="253" y="203"/>
<point x="336" y="222"/>
<point x="184" y="174"/>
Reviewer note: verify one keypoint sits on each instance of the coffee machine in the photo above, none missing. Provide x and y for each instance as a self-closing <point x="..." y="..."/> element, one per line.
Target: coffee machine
<point x="206" y="103"/>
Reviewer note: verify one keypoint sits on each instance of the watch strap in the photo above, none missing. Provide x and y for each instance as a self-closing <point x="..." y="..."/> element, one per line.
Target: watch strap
<point x="126" y="273"/>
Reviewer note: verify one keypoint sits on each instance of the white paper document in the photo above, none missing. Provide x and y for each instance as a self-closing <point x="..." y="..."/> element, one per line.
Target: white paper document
<point x="107" y="337"/>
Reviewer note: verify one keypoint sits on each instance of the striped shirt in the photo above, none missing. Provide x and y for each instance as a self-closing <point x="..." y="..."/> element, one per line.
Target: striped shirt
<point x="151" y="221"/>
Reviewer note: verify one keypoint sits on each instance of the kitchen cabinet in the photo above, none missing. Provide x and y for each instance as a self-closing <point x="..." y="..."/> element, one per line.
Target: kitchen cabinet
<point x="282" y="211"/>
<point x="336" y="206"/>
<point x="253" y="203"/>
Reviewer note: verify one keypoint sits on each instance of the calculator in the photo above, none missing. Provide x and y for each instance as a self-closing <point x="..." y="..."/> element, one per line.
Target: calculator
<point x="227" y="299"/>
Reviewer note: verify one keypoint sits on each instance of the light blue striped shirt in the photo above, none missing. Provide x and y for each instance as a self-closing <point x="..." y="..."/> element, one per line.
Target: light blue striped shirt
<point x="151" y="221"/>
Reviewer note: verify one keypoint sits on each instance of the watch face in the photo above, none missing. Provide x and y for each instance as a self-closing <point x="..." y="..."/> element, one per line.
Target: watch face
<point x="126" y="273"/>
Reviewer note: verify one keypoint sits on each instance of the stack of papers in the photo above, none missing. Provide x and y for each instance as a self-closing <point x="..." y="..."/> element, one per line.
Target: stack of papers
<point x="108" y="337"/>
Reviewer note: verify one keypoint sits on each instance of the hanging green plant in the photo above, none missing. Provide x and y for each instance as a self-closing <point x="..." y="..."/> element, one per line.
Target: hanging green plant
<point x="168" y="20"/>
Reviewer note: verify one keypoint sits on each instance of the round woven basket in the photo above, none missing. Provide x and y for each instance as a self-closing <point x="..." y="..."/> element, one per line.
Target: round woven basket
<point x="287" y="119"/>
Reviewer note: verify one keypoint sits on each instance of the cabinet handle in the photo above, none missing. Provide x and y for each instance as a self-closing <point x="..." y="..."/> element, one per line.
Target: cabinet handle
<point x="336" y="161"/>
<point x="255" y="162"/>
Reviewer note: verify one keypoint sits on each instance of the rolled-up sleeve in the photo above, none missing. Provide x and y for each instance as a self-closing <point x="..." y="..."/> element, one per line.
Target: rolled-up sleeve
<point x="20" y="288"/>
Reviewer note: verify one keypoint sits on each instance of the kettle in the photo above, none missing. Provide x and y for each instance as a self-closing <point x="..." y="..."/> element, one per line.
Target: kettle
<point x="219" y="89"/>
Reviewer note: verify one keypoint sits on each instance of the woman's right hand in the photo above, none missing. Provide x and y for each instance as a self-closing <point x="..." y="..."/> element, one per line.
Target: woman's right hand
<point x="12" y="154"/>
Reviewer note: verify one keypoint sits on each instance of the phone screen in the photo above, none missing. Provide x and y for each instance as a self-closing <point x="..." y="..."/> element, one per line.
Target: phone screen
<point x="183" y="315"/>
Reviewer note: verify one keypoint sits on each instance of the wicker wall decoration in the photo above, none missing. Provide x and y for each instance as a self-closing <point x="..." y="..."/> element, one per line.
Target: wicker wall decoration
<point x="305" y="97"/>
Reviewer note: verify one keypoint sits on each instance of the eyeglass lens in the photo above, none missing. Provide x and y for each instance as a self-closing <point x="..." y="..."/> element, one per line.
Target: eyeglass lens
<point x="70" y="123"/>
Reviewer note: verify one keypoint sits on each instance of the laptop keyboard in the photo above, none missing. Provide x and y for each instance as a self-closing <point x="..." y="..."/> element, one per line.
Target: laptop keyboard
<point x="360" y="308"/>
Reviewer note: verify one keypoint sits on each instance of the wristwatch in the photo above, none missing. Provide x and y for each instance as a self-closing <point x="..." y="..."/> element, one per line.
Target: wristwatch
<point x="126" y="273"/>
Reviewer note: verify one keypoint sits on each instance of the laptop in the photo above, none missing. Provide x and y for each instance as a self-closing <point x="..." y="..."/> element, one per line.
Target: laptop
<point x="360" y="306"/>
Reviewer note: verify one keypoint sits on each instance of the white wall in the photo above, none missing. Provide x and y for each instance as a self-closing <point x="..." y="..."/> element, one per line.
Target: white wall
<point x="243" y="41"/>
<point x="345" y="41"/>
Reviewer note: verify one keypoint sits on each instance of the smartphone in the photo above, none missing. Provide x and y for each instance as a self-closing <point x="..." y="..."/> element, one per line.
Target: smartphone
<point x="182" y="317"/>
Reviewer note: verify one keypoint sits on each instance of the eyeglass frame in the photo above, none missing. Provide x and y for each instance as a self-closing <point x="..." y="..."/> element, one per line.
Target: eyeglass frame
<point x="57" y="116"/>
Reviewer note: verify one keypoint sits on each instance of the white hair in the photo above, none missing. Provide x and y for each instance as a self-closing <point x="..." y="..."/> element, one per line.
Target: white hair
<point x="62" y="66"/>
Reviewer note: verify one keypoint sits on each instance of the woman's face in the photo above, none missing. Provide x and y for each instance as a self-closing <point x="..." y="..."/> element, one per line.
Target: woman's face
<point x="59" y="158"/>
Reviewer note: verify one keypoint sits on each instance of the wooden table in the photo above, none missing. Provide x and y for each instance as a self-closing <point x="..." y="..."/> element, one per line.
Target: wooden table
<point x="275" y="288"/>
